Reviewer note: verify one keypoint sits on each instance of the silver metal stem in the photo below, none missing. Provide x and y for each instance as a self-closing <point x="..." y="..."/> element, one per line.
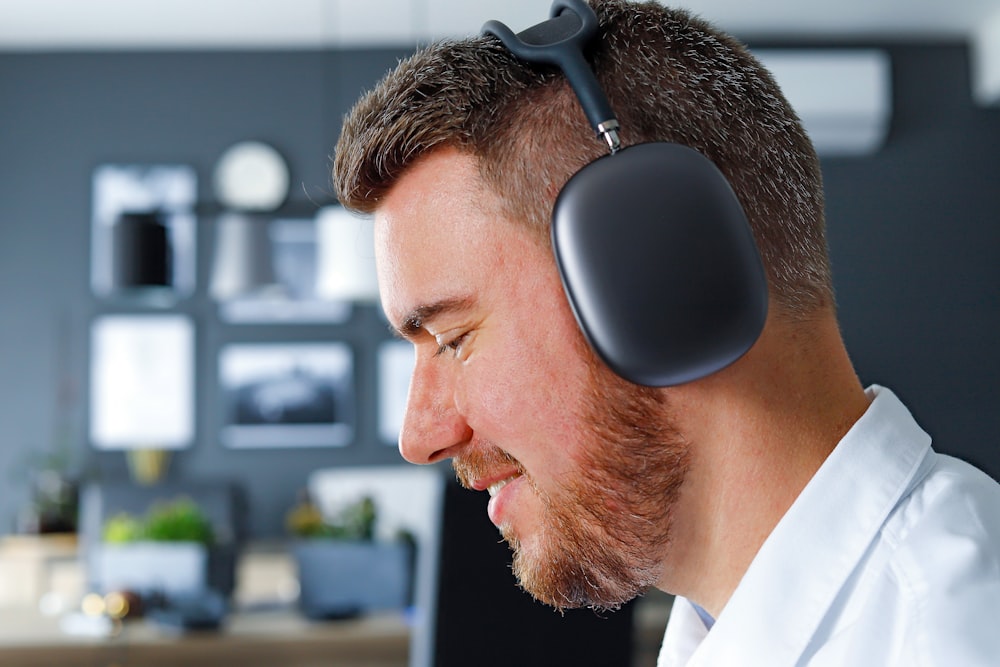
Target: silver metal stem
<point x="609" y="131"/>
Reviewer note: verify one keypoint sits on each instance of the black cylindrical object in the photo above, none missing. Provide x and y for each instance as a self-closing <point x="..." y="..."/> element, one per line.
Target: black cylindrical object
<point x="141" y="255"/>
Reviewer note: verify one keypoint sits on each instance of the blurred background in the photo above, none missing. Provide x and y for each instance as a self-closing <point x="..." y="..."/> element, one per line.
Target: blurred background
<point x="178" y="307"/>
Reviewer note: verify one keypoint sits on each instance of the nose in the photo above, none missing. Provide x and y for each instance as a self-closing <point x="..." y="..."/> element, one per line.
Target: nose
<point x="433" y="427"/>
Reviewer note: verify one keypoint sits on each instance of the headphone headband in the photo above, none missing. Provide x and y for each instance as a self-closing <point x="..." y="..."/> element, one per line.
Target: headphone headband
<point x="561" y="41"/>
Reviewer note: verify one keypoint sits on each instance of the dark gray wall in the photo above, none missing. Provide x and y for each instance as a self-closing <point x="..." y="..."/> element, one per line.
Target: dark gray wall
<point x="913" y="233"/>
<point x="63" y="114"/>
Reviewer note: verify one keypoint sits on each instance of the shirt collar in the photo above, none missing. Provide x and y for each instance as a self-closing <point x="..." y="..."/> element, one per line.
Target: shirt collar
<point x="804" y="563"/>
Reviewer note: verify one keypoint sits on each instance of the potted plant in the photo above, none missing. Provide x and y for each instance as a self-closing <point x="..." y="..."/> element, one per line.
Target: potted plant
<point x="168" y="551"/>
<point x="343" y="569"/>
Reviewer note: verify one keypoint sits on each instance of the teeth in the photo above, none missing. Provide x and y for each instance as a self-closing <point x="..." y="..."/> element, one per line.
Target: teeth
<point x="496" y="486"/>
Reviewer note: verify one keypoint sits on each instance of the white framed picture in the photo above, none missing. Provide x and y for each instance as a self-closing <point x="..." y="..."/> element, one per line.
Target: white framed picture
<point x="279" y="395"/>
<point x="282" y="255"/>
<point x="168" y="190"/>
<point x="142" y="382"/>
<point x="395" y="366"/>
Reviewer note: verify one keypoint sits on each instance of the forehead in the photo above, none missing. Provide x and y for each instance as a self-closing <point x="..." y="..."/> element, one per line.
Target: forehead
<point x="440" y="234"/>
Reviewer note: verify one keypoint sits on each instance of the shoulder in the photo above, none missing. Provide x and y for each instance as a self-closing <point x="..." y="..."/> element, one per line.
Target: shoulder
<point x="950" y="500"/>
<point x="943" y="543"/>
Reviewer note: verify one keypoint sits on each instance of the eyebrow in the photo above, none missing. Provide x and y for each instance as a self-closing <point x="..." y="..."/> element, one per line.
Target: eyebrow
<point x="417" y="319"/>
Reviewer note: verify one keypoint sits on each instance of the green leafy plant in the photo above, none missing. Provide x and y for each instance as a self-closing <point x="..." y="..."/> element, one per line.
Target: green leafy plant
<point x="123" y="528"/>
<point x="180" y="520"/>
<point x="355" y="521"/>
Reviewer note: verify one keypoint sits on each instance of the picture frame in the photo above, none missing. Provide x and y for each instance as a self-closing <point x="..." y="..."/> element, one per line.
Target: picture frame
<point x="142" y="382"/>
<point x="286" y="395"/>
<point x="395" y="359"/>
<point x="169" y="191"/>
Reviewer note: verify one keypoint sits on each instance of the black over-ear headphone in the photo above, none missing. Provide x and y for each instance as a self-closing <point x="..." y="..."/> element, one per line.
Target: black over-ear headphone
<point x="655" y="252"/>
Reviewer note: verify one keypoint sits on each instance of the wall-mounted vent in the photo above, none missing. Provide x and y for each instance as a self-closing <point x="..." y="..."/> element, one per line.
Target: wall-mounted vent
<point x="843" y="97"/>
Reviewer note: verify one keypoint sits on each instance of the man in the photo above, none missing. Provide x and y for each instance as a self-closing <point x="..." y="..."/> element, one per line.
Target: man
<point x="799" y="518"/>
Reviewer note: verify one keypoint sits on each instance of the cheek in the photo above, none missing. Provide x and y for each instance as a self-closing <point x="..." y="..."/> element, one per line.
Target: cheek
<point x="505" y="388"/>
<point x="529" y="375"/>
<point x="526" y="398"/>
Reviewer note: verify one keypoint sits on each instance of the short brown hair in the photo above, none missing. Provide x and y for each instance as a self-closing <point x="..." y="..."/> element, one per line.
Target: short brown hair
<point x="668" y="76"/>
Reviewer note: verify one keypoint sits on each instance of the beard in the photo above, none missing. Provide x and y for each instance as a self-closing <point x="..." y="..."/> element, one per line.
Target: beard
<point x="605" y="530"/>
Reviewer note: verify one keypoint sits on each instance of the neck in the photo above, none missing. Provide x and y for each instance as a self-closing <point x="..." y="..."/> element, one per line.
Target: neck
<point x="759" y="431"/>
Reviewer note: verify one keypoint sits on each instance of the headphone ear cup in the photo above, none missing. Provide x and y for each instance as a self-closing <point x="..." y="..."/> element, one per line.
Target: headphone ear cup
<point x="659" y="264"/>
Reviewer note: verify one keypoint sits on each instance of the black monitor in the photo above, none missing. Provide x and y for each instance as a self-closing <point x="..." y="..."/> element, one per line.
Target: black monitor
<point x="483" y="618"/>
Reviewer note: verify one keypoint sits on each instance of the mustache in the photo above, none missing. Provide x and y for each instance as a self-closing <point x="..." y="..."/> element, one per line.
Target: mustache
<point x="480" y="461"/>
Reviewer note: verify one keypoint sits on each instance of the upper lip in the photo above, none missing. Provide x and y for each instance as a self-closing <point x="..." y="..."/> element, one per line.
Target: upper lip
<point x="483" y="483"/>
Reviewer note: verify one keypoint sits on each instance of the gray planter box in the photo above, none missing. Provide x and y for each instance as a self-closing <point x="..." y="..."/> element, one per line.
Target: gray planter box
<point x="173" y="569"/>
<point x="343" y="578"/>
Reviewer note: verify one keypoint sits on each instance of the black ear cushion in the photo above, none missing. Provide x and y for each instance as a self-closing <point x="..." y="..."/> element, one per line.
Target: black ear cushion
<point x="659" y="264"/>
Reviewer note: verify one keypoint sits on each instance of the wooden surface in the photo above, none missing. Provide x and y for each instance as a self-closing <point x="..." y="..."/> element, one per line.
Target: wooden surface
<point x="282" y="638"/>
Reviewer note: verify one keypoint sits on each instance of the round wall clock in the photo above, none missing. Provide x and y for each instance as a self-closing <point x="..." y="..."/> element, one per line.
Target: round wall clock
<point x="251" y="176"/>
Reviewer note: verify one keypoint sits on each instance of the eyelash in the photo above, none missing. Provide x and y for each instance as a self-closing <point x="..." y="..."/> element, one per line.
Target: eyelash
<point x="454" y="345"/>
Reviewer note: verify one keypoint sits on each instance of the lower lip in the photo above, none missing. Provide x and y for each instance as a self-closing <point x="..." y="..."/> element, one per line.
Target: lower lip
<point x="501" y="500"/>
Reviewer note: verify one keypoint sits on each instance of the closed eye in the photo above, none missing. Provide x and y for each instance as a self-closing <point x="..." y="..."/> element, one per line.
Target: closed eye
<point x="454" y="345"/>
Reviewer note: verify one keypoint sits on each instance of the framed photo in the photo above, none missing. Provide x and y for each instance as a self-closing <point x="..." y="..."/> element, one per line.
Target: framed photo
<point x="395" y="366"/>
<point x="309" y="269"/>
<point x="285" y="251"/>
<point x="278" y="395"/>
<point x="142" y="382"/>
<point x="169" y="189"/>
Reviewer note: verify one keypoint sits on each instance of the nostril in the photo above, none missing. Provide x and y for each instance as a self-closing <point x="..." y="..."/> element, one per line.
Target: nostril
<point x="434" y="439"/>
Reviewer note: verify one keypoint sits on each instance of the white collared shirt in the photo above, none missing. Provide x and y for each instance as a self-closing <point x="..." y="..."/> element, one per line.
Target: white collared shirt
<point x="889" y="557"/>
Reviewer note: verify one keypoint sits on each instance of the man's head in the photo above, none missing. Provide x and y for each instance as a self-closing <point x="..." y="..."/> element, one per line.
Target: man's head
<point x="460" y="153"/>
<point x="583" y="467"/>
